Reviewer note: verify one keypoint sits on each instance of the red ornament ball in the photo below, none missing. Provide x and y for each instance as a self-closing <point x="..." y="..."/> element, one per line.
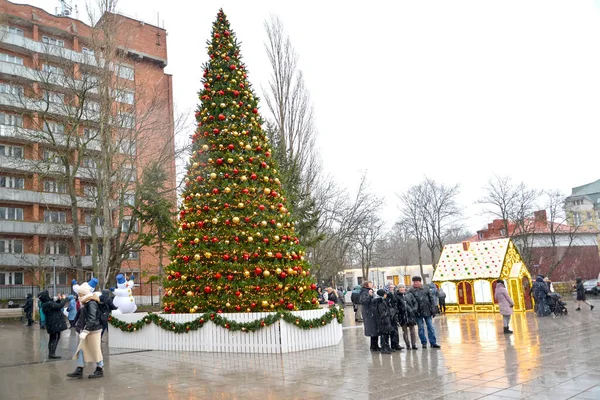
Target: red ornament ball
<point x="207" y="289"/>
<point x="290" y="306"/>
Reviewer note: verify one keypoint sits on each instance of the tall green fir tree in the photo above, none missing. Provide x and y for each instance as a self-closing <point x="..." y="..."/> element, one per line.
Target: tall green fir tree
<point x="236" y="248"/>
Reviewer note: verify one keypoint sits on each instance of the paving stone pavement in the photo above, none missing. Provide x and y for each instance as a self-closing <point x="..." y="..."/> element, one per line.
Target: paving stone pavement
<point x="546" y="358"/>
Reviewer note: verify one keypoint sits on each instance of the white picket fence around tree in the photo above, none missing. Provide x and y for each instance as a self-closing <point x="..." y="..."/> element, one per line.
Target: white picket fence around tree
<point x="280" y="337"/>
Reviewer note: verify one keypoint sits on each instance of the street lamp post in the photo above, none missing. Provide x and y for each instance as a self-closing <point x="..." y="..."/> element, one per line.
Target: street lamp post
<point x="54" y="275"/>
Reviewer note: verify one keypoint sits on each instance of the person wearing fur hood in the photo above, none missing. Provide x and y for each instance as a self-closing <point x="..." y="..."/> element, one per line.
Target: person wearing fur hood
<point x="89" y="327"/>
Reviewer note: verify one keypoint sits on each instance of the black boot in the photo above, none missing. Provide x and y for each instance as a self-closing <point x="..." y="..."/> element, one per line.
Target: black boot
<point x="52" y="350"/>
<point x="375" y="343"/>
<point x="98" y="373"/>
<point x="386" y="349"/>
<point x="78" y="373"/>
<point x="507" y="331"/>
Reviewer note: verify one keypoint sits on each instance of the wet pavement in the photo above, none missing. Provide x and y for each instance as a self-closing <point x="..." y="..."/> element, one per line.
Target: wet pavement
<point x="547" y="358"/>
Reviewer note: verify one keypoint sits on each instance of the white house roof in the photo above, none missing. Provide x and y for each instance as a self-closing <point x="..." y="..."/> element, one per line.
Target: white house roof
<point x="483" y="260"/>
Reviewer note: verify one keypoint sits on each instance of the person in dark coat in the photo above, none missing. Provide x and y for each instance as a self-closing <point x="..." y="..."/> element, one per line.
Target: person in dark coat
<point x="106" y="306"/>
<point x="581" y="298"/>
<point x="407" y="308"/>
<point x="370" y="326"/>
<point x="392" y="302"/>
<point x="540" y="292"/>
<point x="384" y="319"/>
<point x="442" y="300"/>
<point x="55" y="321"/>
<point x="28" y="309"/>
<point x="425" y="312"/>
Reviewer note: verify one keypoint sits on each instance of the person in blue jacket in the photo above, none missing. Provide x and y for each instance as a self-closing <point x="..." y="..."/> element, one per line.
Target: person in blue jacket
<point x="42" y="315"/>
<point x="72" y="310"/>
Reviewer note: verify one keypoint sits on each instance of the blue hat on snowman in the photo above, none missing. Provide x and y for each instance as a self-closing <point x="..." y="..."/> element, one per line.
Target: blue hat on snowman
<point x="120" y="279"/>
<point x="93" y="283"/>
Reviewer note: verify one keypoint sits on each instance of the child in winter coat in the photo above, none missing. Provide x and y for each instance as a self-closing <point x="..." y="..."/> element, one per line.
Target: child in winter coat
<point x="72" y="310"/>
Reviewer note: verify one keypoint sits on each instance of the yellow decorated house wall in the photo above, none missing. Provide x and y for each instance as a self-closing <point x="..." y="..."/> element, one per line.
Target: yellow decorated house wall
<point x="467" y="273"/>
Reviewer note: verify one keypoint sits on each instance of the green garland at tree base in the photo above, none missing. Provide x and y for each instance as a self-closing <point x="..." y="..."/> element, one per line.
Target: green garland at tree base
<point x="219" y="320"/>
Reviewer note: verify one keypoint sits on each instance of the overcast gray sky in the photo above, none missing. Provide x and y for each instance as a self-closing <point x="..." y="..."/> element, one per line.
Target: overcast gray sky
<point x="455" y="90"/>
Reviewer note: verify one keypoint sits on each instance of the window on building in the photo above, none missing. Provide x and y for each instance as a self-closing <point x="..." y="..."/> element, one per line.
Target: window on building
<point x="576" y="218"/>
<point x="129" y="199"/>
<point x="502" y="232"/>
<point x="57" y="247"/>
<point x="55" y="187"/>
<point x="53" y="97"/>
<point x="132" y="255"/>
<point x="126" y="120"/>
<point x="11" y="213"/>
<point x="11" y="151"/>
<point x="51" y="156"/>
<point x="90" y="192"/>
<point x="129" y="172"/>
<point x="87" y="51"/>
<point x="89" y="248"/>
<point x="61" y="278"/>
<point x="578" y="202"/>
<point x="90" y="134"/>
<point x="15" y="90"/>
<point x="11" y="59"/>
<point x="12" y="182"/>
<point x="92" y="106"/>
<point x="127" y="225"/>
<point x="53" y="69"/>
<point x="54" y="128"/>
<point x="125" y="97"/>
<point x="53" y="41"/>
<point x="483" y="291"/>
<point x="89" y="80"/>
<point x="588" y="216"/>
<point x="11" y="120"/>
<point x="128" y="147"/>
<point x="98" y="221"/>
<point x="480" y="235"/>
<point x="12" y="30"/>
<point x="89" y="162"/>
<point x="11" y="278"/>
<point x="56" y="217"/>
<point x="89" y="275"/>
<point x="12" y="246"/>
<point x="125" y="72"/>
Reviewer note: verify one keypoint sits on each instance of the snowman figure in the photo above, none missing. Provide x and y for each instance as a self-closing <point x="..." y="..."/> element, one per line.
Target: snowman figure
<point x="123" y="298"/>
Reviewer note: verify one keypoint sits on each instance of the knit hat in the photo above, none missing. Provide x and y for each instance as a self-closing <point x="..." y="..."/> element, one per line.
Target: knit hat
<point x="381" y="292"/>
<point x="93" y="283"/>
<point x="400" y="285"/>
<point x="416" y="279"/>
<point x="120" y="279"/>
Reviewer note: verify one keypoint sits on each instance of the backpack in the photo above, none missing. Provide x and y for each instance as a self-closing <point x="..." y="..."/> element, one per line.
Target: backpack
<point x="104" y="313"/>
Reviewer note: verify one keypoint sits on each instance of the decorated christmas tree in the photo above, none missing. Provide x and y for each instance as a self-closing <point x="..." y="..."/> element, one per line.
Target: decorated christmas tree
<point x="236" y="249"/>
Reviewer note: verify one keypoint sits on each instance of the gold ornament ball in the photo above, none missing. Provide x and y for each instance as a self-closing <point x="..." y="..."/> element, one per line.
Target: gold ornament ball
<point x="276" y="238"/>
<point x="213" y="176"/>
<point x="265" y="303"/>
<point x="228" y="305"/>
<point x="189" y="294"/>
<point x="205" y="147"/>
<point x="272" y="307"/>
<point x="300" y="289"/>
<point x="215" y="221"/>
<point x="303" y="273"/>
<point x="230" y="160"/>
<point x="266" y="274"/>
<point x="207" y="255"/>
<point x="267" y="191"/>
<point x="227" y="190"/>
<point x="195" y="165"/>
<point x="244" y="178"/>
<point x="278" y="271"/>
<point x="240" y="205"/>
<point x="280" y="286"/>
<point x="223" y="105"/>
<point x="246" y="273"/>
<point x="263" y="223"/>
<point x="236" y="220"/>
<point x="248" y="147"/>
<point x="250" y="239"/>
<point x="279" y="226"/>
<point x="197" y="257"/>
<point x="269" y="254"/>
<point x="197" y="240"/>
<point x="266" y="179"/>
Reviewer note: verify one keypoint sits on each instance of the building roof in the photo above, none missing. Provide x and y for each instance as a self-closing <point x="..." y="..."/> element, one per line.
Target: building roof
<point x="482" y="260"/>
<point x="587" y="189"/>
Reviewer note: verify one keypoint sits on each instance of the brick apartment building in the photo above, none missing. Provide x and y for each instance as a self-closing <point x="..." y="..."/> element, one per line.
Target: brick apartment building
<point x="32" y="204"/>
<point x="575" y="247"/>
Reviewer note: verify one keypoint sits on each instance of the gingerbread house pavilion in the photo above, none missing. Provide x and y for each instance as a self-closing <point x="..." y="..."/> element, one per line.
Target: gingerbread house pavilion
<point x="468" y="272"/>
